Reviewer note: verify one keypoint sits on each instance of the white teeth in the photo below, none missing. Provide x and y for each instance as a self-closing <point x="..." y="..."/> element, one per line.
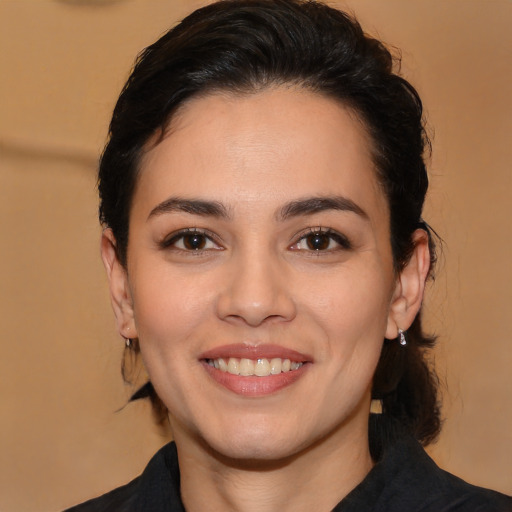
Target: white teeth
<point x="259" y="367"/>
<point x="262" y="368"/>
<point x="246" y="367"/>
<point x="233" y="365"/>
<point x="275" y="366"/>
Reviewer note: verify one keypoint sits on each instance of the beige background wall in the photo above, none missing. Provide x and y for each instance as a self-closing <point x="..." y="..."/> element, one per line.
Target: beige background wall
<point x="62" y="64"/>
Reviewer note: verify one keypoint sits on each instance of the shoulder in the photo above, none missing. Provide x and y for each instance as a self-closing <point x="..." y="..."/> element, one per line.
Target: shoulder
<point x="119" y="500"/>
<point x="443" y="491"/>
<point x="156" y="489"/>
<point x="457" y="495"/>
<point x="407" y="479"/>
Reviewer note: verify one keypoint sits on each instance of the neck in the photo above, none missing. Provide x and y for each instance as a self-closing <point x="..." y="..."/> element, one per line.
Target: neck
<point x="314" y="479"/>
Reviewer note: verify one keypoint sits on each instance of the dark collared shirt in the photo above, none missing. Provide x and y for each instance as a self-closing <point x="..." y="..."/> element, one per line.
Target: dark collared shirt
<point x="406" y="480"/>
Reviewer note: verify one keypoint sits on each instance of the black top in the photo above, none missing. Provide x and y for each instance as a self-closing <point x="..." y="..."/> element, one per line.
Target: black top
<point x="406" y="480"/>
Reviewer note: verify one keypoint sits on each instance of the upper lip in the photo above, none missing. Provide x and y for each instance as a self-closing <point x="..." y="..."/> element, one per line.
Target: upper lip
<point x="248" y="351"/>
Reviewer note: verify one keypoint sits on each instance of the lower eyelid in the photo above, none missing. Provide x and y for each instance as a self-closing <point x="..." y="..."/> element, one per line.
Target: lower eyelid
<point x="342" y="241"/>
<point x="171" y="240"/>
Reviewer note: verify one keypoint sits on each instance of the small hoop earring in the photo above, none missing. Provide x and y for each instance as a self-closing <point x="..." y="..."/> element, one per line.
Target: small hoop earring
<point x="402" y="338"/>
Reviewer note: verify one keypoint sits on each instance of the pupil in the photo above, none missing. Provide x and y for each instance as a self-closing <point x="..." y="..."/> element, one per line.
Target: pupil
<point x="194" y="242"/>
<point x="318" y="241"/>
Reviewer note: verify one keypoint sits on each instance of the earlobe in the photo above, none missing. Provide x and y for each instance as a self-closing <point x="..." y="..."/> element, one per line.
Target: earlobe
<point x="120" y="295"/>
<point x="410" y="286"/>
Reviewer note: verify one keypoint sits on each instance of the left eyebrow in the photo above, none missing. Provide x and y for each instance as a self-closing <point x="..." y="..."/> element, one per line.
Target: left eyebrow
<point x="192" y="206"/>
<point x="311" y="205"/>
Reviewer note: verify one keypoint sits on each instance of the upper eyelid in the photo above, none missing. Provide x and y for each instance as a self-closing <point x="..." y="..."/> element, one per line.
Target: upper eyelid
<point x="318" y="229"/>
<point x="343" y="240"/>
<point x="297" y="237"/>
<point x="176" y="235"/>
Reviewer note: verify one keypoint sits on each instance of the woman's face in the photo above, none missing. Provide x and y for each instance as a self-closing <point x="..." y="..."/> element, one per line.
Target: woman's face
<point x="260" y="279"/>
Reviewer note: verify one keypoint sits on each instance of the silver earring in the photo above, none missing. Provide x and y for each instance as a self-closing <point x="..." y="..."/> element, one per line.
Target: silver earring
<point x="128" y="342"/>
<point x="402" y="339"/>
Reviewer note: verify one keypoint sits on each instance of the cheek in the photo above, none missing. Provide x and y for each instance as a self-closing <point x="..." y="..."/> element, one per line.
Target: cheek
<point x="170" y="308"/>
<point x="351" y="302"/>
<point x="353" y="315"/>
<point x="173" y="319"/>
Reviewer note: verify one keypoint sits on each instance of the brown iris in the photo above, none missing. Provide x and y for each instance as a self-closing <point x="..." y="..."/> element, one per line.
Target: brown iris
<point x="318" y="241"/>
<point x="194" y="241"/>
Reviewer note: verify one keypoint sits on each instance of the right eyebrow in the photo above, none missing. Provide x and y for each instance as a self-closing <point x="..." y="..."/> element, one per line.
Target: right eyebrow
<point x="193" y="206"/>
<point x="311" y="205"/>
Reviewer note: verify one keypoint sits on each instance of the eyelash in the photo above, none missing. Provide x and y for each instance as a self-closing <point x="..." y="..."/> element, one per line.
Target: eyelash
<point x="342" y="241"/>
<point x="172" y="242"/>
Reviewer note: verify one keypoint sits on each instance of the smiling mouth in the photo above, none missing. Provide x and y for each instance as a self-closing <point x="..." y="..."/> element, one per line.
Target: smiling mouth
<point x="261" y="367"/>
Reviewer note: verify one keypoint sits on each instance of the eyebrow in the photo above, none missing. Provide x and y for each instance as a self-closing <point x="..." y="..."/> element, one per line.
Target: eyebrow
<point x="299" y="207"/>
<point x="311" y="205"/>
<point x="193" y="206"/>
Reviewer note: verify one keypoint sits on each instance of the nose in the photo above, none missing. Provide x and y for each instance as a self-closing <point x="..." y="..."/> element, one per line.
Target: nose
<point x="256" y="290"/>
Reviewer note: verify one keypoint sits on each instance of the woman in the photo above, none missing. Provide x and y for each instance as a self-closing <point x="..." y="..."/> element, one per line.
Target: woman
<point x="262" y="192"/>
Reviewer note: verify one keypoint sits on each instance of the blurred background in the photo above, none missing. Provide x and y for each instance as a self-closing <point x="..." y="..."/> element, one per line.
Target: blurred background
<point x="64" y="433"/>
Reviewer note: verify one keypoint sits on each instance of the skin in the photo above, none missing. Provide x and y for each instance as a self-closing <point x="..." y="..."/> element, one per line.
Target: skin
<point x="256" y="280"/>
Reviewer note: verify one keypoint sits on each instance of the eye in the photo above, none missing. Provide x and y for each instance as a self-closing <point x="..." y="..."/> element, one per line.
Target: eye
<point x="191" y="240"/>
<point x="321" y="240"/>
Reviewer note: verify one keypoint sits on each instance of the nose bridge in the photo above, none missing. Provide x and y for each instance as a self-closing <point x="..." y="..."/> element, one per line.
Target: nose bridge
<point x="255" y="289"/>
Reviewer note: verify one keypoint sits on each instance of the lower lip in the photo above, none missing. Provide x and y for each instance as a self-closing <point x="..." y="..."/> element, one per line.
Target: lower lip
<point x="254" y="386"/>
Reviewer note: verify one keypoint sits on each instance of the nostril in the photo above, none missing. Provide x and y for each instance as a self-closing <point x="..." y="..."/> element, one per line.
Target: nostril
<point x="256" y="291"/>
<point x="255" y="313"/>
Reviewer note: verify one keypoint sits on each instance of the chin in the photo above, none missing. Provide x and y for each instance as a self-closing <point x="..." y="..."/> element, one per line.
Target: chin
<point x="251" y="454"/>
<point x="252" y="445"/>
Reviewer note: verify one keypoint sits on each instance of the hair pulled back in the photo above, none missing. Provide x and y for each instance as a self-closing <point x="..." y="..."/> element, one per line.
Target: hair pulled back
<point x="243" y="46"/>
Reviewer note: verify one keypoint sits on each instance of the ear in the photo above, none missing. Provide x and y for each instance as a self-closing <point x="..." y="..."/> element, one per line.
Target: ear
<point x="410" y="286"/>
<point x="120" y="294"/>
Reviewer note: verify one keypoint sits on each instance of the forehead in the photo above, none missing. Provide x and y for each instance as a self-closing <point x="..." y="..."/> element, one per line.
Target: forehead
<point x="277" y="143"/>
